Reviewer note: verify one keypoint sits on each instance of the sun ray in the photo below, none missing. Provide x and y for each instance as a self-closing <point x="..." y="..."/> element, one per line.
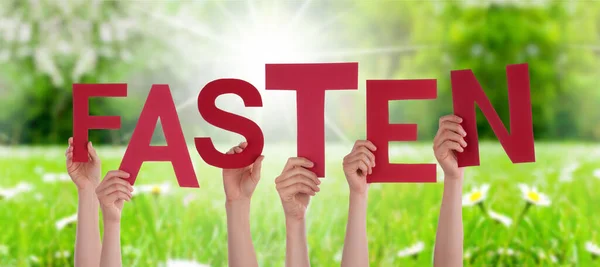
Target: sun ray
<point x="252" y="12"/>
<point x="231" y="18"/>
<point x="299" y="14"/>
<point x="375" y="51"/>
<point x="317" y="31"/>
<point x="199" y="29"/>
<point x="336" y="130"/>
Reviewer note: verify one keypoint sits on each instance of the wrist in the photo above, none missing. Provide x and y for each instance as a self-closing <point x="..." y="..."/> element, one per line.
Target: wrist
<point x="294" y="223"/>
<point x="237" y="203"/>
<point x="238" y="210"/>
<point x="111" y="224"/>
<point x="453" y="184"/>
<point x="86" y="193"/>
<point x="359" y="195"/>
<point x="454" y="178"/>
<point x="87" y="186"/>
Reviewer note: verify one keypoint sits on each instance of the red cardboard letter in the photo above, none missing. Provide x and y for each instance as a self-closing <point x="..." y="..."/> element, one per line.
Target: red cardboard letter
<point x="310" y="82"/>
<point x="159" y="105"/>
<point x="466" y="93"/>
<point x="231" y="122"/>
<point x="82" y="121"/>
<point x="381" y="132"/>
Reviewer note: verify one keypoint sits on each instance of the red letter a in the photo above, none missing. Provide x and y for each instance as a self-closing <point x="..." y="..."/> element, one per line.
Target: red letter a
<point x="159" y="105"/>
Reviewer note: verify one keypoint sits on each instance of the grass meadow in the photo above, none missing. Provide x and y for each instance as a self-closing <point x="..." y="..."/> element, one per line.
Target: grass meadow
<point x="189" y="224"/>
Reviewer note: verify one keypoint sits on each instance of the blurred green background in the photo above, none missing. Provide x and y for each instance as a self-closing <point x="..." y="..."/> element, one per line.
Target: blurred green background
<point x="46" y="46"/>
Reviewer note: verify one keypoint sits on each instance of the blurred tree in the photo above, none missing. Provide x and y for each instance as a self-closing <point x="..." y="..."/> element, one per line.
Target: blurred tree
<point x="46" y="46"/>
<point x="486" y="36"/>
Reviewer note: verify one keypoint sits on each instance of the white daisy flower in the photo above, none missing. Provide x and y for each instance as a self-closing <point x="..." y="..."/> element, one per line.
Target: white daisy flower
<point x="55" y="177"/>
<point x="533" y="196"/>
<point x="67" y="221"/>
<point x="154" y="189"/>
<point x="413" y="250"/>
<point x="338" y="256"/>
<point x="63" y="254"/>
<point x="592" y="248"/>
<point x="501" y="218"/>
<point x="34" y="259"/>
<point x="468" y="254"/>
<point x="188" y="199"/>
<point x="4" y="249"/>
<point x="184" y="263"/>
<point x="597" y="173"/>
<point x="542" y="255"/>
<point x="38" y="170"/>
<point x="131" y="250"/>
<point x="476" y="196"/>
<point x="507" y="252"/>
<point x="8" y="193"/>
<point x="566" y="174"/>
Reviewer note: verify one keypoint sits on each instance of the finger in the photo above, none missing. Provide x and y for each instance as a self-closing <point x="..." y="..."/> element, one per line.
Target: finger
<point x="365" y="143"/>
<point x="114" y="187"/>
<point x="243" y="145"/>
<point x="230" y="151"/>
<point x="368" y="153"/>
<point x="362" y="166"/>
<point x="452" y="118"/>
<point x="70" y="141"/>
<point x="296" y="188"/>
<point x="361" y="157"/>
<point x="299" y="179"/>
<point x="298" y="171"/>
<point x="451" y="145"/>
<point x="114" y="196"/>
<point x="453" y="126"/>
<point x="297" y="161"/>
<point x="256" y="168"/>
<point x="449" y="135"/>
<point x="117" y="174"/>
<point x="92" y="152"/>
<point x="113" y="181"/>
<point x="238" y="149"/>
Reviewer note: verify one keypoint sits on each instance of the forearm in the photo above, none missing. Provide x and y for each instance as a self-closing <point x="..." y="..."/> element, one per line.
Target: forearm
<point x="449" y="237"/>
<point x="240" y="249"/>
<point x="356" y="249"/>
<point x="111" y="245"/>
<point x="87" y="241"/>
<point x="296" y="253"/>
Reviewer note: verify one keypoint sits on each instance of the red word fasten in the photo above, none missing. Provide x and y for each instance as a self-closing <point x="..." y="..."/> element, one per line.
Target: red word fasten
<point x="310" y="81"/>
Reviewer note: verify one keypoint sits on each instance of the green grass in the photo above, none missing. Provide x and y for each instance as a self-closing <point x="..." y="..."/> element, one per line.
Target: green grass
<point x="399" y="215"/>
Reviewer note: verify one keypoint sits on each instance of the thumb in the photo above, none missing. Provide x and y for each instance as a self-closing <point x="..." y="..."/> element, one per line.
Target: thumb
<point x="92" y="152"/>
<point x="256" y="167"/>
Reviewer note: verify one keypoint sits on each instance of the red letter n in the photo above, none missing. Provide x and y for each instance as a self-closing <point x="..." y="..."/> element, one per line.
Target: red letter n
<point x="466" y="93"/>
